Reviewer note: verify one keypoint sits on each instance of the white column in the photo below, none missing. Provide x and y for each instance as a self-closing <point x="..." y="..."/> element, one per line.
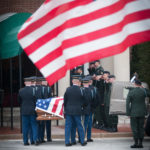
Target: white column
<point x="122" y="66"/>
<point x="86" y="66"/>
<point x="108" y="64"/>
<point x="63" y="84"/>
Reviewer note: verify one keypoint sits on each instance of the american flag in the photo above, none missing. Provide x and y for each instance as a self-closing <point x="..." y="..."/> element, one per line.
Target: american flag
<point x="51" y="105"/>
<point x="63" y="34"/>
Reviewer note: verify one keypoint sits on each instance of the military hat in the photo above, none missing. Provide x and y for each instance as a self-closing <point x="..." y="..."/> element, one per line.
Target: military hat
<point x="138" y="82"/>
<point x="106" y="72"/>
<point x="27" y="79"/>
<point x="39" y="78"/>
<point x="85" y="80"/>
<point x="89" y="77"/>
<point x="76" y="77"/>
<point x="33" y="78"/>
<point x="111" y="76"/>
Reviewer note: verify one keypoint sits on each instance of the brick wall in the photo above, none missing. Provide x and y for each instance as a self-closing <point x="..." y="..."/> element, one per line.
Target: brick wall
<point x="29" y="6"/>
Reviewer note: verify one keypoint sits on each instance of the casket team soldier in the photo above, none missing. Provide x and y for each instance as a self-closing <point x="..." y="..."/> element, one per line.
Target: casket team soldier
<point x="87" y="94"/>
<point x="38" y="94"/>
<point x="46" y="93"/>
<point x="136" y="109"/>
<point x="73" y="103"/>
<point x="28" y="102"/>
<point x="92" y="97"/>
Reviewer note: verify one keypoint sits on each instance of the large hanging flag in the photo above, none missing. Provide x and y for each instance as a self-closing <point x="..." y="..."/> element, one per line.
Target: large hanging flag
<point x="63" y="34"/>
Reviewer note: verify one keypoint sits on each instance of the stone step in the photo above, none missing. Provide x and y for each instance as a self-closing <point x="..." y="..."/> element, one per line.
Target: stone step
<point x="123" y="120"/>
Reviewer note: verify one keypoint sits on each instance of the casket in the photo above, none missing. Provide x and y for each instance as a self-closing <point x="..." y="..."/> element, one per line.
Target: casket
<point x="41" y="115"/>
<point x="50" y="108"/>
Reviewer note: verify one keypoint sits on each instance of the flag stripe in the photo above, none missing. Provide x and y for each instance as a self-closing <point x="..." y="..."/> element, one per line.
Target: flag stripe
<point x="106" y="52"/>
<point x="62" y="17"/>
<point x="102" y="42"/>
<point x="91" y="36"/>
<point x="55" y="105"/>
<point x="61" y="111"/>
<point x="51" y="45"/>
<point x="46" y="8"/>
<point x="58" y="110"/>
<point x="47" y="105"/>
<point x="86" y="30"/>
<point x="50" y="15"/>
<point x="73" y="22"/>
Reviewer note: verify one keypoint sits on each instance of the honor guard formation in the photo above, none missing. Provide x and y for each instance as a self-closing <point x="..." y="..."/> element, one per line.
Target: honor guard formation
<point x="35" y="88"/>
<point x="86" y="105"/>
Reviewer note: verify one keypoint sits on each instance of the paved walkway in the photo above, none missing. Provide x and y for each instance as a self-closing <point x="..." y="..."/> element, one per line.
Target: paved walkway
<point x="58" y="132"/>
<point x="58" y="144"/>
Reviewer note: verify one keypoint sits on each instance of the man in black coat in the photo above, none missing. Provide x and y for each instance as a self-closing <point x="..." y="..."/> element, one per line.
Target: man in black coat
<point x="27" y="100"/>
<point x="73" y="108"/>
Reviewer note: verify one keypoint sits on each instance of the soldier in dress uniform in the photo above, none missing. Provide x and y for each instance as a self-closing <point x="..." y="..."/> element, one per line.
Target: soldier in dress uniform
<point x="73" y="107"/>
<point x="99" y="83"/>
<point x="136" y="109"/>
<point x="33" y="82"/>
<point x="78" y="71"/>
<point x="28" y="102"/>
<point x="92" y="97"/>
<point x="98" y="68"/>
<point x="87" y="94"/>
<point x="111" y="120"/>
<point x="91" y="68"/>
<point x="102" y="88"/>
<point x="38" y="91"/>
<point x="46" y="93"/>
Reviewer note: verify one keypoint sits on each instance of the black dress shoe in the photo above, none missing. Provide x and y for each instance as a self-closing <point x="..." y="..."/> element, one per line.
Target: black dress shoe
<point x="83" y="144"/>
<point x="36" y="143"/>
<point x="69" y="144"/>
<point x="140" y="146"/>
<point x="74" y="143"/>
<point x="101" y="127"/>
<point x="90" y="140"/>
<point x="43" y="141"/>
<point x="32" y="143"/>
<point x="49" y="140"/>
<point x="26" y="144"/>
<point x="134" y="146"/>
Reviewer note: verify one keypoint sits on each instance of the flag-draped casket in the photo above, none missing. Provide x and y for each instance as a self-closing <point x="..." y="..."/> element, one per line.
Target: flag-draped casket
<point x="50" y="108"/>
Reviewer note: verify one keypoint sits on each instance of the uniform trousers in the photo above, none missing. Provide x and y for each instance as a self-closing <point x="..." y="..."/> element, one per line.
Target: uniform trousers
<point x="88" y="125"/>
<point x="40" y="126"/>
<point x="29" y="122"/>
<point x="98" y="115"/>
<point x="46" y="125"/>
<point x="71" y="122"/>
<point x="137" y="126"/>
